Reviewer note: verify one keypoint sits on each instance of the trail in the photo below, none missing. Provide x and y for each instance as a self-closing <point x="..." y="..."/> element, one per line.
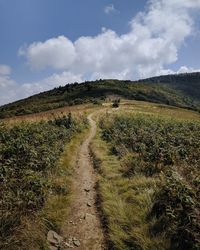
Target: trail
<point x="84" y="223"/>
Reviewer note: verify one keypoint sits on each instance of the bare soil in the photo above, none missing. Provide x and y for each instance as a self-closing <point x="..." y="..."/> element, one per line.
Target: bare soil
<point x="84" y="222"/>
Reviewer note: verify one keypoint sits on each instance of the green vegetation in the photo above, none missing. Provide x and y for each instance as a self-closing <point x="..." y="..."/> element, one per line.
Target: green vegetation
<point x="31" y="179"/>
<point x="184" y="92"/>
<point x="147" y="163"/>
<point x="148" y="177"/>
<point x="188" y="83"/>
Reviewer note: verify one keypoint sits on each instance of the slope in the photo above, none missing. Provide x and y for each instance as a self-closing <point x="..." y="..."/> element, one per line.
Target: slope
<point x="187" y="83"/>
<point x="181" y="91"/>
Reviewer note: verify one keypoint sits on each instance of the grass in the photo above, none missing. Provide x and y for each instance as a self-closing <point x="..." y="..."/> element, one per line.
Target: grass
<point x="124" y="203"/>
<point x="33" y="231"/>
<point x="58" y="206"/>
<point x="77" y="111"/>
<point x="31" y="227"/>
<point x="158" y="109"/>
<point x="130" y="195"/>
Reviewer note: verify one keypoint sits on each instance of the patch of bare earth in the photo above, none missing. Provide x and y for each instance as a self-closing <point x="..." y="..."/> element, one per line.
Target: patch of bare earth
<point x="84" y="230"/>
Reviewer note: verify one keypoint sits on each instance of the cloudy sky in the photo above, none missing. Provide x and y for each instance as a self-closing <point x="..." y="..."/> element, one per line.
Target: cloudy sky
<point x="48" y="43"/>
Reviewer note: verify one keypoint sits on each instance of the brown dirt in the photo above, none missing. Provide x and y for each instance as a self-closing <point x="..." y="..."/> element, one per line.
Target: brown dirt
<point x="84" y="221"/>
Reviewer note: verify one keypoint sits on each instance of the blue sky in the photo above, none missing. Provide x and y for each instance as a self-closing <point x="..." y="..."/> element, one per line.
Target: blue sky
<point x="47" y="43"/>
<point x="26" y="21"/>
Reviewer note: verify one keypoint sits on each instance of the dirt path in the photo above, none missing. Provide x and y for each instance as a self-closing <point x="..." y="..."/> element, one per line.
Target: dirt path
<point x="84" y="225"/>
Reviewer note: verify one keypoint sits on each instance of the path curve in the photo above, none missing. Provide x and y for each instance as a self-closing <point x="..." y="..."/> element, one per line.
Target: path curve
<point x="84" y="222"/>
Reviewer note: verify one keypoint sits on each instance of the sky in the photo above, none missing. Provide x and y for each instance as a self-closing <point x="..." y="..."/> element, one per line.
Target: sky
<point x="50" y="43"/>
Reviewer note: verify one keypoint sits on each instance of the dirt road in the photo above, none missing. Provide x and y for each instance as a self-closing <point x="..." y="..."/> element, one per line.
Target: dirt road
<point x="84" y="227"/>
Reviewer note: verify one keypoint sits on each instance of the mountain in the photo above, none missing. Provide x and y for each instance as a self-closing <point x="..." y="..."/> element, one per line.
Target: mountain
<point x="181" y="90"/>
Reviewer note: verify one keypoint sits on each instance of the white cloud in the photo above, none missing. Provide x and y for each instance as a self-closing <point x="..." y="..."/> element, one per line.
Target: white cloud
<point x="4" y="69"/>
<point x="185" y="69"/>
<point x="181" y="70"/>
<point x="7" y="90"/>
<point x="110" y="9"/>
<point x="12" y="91"/>
<point x="56" y="52"/>
<point x="152" y="43"/>
<point x="50" y="82"/>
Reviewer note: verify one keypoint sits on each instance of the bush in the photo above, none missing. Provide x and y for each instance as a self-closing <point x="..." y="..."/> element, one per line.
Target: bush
<point x="176" y="208"/>
<point x="116" y="103"/>
<point x="168" y="151"/>
<point x="28" y="154"/>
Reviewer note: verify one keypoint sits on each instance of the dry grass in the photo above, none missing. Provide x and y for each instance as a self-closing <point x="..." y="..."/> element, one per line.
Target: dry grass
<point x="125" y="105"/>
<point x="77" y="110"/>
<point x="33" y="230"/>
<point x="58" y="206"/>
<point x="124" y="203"/>
<point x="159" y="109"/>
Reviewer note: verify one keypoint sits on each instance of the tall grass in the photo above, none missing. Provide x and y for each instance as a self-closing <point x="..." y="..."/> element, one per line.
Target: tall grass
<point x="148" y="181"/>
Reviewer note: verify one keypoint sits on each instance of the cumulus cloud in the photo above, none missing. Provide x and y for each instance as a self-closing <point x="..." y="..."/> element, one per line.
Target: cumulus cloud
<point x="56" y="52"/>
<point x="110" y="9"/>
<point x="151" y="44"/>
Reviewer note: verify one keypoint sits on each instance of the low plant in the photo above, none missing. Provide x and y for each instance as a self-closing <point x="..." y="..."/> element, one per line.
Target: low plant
<point x="157" y="179"/>
<point x="29" y="154"/>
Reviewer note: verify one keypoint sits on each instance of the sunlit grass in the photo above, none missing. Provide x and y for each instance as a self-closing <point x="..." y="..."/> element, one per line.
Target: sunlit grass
<point x="125" y="203"/>
<point x="31" y="228"/>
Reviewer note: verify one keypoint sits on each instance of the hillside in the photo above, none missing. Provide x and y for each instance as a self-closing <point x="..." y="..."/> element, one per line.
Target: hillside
<point x="60" y="173"/>
<point x="188" y="83"/>
<point x="175" y="90"/>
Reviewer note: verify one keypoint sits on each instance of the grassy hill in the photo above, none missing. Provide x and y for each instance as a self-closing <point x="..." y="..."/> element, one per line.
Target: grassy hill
<point x="146" y="155"/>
<point x="188" y="83"/>
<point x="176" y="90"/>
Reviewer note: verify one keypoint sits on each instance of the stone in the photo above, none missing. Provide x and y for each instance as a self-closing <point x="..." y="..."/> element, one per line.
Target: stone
<point x="89" y="204"/>
<point x="76" y="242"/>
<point x="54" y="240"/>
<point x="69" y="245"/>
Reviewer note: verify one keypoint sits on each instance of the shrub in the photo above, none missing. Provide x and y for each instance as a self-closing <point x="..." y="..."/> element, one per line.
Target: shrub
<point x="28" y="154"/>
<point x="166" y="151"/>
<point x="116" y="103"/>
